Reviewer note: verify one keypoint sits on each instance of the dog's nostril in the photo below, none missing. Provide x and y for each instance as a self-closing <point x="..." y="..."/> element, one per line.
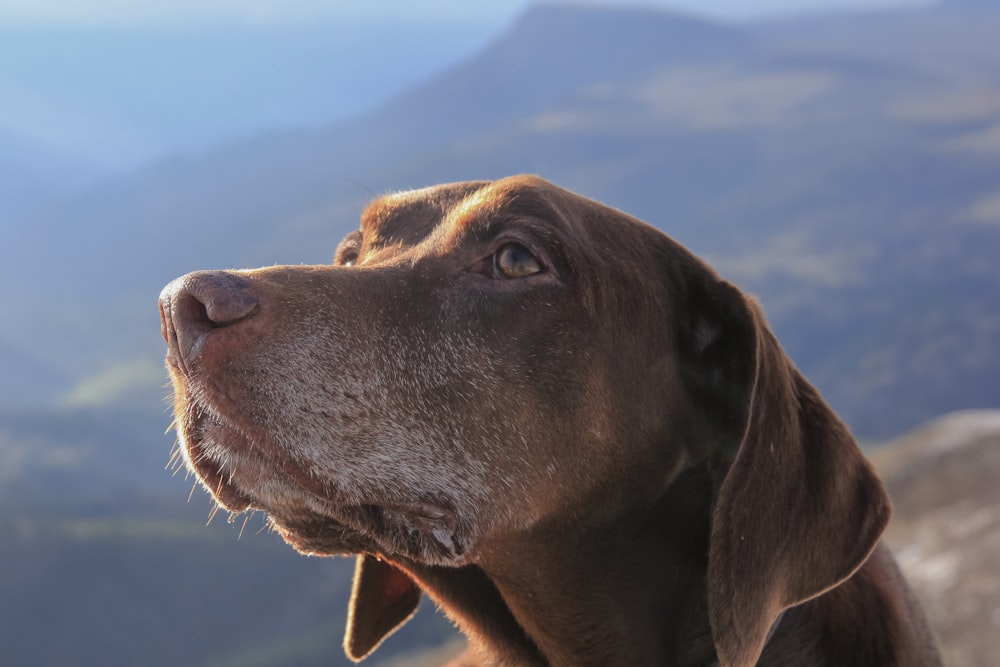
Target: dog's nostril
<point x="190" y="310"/>
<point x="212" y="298"/>
<point x="198" y="303"/>
<point x="220" y="299"/>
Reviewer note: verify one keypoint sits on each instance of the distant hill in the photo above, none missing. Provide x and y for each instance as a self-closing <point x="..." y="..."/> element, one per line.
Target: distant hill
<point x="102" y="561"/>
<point x="855" y="193"/>
<point x="946" y="527"/>
<point x="546" y="57"/>
<point x="160" y="592"/>
<point x="947" y="38"/>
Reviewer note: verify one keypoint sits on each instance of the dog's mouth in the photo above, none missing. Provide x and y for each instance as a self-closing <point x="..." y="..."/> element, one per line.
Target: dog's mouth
<point x="244" y="471"/>
<point x="194" y="431"/>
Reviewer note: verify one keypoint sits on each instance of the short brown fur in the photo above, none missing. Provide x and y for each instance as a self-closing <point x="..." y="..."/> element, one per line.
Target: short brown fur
<point x="554" y="420"/>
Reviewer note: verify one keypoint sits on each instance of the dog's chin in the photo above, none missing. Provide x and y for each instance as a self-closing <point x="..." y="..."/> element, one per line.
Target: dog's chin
<point x="320" y="536"/>
<point x="422" y="534"/>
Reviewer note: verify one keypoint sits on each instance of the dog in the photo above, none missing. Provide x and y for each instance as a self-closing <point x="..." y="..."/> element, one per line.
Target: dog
<point x="584" y="445"/>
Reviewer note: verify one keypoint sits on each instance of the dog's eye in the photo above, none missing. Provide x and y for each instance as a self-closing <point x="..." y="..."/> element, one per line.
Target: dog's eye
<point x="349" y="250"/>
<point x="513" y="260"/>
<point x="348" y="258"/>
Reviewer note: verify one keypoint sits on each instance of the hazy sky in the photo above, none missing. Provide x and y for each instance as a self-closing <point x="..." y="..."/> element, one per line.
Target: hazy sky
<point x="187" y="12"/>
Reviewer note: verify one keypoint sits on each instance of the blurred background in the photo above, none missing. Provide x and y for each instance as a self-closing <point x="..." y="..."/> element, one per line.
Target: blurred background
<point x="839" y="159"/>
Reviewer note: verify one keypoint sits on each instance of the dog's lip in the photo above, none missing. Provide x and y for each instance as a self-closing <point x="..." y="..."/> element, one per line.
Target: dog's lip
<point x="211" y="476"/>
<point x="431" y="512"/>
<point x="437" y="523"/>
<point x="226" y="488"/>
<point x="244" y="472"/>
<point x="210" y="473"/>
<point x="229" y="483"/>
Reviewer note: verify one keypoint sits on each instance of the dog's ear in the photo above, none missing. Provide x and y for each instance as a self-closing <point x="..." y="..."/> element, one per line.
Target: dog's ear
<point x="799" y="509"/>
<point x="382" y="599"/>
<point x="717" y="350"/>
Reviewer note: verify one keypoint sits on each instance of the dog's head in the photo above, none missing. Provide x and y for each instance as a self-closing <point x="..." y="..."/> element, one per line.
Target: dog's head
<point x="483" y="357"/>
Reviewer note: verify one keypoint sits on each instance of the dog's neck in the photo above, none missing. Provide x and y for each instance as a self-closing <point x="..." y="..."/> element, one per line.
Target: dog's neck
<point x="559" y="596"/>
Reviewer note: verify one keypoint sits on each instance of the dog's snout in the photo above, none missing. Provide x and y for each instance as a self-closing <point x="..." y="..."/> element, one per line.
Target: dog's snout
<point x="197" y="304"/>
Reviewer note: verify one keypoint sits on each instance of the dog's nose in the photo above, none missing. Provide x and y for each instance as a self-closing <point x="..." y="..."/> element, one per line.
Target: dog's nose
<point x="199" y="303"/>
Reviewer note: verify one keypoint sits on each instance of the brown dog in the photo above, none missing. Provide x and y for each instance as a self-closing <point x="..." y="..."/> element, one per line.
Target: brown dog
<point x="584" y="445"/>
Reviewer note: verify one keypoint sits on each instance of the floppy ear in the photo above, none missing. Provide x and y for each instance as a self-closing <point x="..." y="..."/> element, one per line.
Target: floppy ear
<point x="382" y="599"/>
<point x="799" y="509"/>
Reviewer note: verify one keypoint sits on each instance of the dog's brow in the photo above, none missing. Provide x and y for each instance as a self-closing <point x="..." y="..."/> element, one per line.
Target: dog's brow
<point x="486" y="207"/>
<point x="374" y="215"/>
<point x="471" y="209"/>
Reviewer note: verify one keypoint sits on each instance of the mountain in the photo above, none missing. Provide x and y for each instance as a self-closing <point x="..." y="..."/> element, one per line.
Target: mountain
<point x="551" y="53"/>
<point x="946" y="527"/>
<point x="952" y="38"/>
<point x="855" y="194"/>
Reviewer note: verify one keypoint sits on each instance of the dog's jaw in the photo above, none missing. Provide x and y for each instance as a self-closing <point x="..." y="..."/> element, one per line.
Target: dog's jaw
<point x="247" y="468"/>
